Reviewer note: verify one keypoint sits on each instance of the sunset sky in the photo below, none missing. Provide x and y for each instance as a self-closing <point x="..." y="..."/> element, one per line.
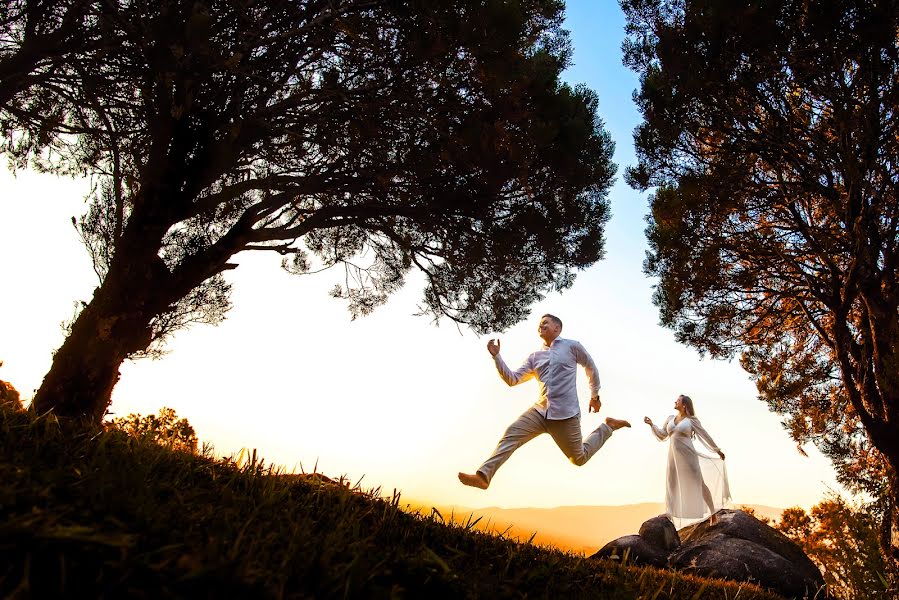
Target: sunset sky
<point x="393" y="400"/>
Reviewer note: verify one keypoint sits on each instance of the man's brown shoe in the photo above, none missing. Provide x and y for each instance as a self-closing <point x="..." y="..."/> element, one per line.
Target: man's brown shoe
<point x="616" y="423"/>
<point x="477" y="480"/>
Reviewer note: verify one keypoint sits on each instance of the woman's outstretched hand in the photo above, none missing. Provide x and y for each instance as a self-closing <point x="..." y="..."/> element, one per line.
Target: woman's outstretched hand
<point x="647" y="420"/>
<point x="721" y="454"/>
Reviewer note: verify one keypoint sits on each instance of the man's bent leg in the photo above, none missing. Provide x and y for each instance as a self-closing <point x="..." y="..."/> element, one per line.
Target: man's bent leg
<point x="567" y="434"/>
<point x="528" y="426"/>
<point x="596" y="439"/>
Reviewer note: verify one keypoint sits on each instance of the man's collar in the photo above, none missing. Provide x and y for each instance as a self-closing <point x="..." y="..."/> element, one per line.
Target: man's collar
<point x="545" y="345"/>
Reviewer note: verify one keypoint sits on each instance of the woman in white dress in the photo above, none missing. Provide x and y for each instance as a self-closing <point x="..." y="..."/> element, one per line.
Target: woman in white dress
<point x="696" y="483"/>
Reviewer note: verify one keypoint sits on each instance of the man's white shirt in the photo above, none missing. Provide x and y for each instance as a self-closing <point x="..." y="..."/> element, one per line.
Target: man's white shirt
<point x="555" y="368"/>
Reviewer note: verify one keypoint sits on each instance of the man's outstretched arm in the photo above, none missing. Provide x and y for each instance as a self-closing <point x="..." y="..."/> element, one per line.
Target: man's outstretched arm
<point x="522" y="373"/>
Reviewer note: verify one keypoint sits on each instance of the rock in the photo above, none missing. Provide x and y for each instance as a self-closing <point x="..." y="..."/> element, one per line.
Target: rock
<point x="741" y="560"/>
<point x="736" y="523"/>
<point x="660" y="532"/>
<point x="657" y="538"/>
<point x="738" y="547"/>
<point x="742" y="548"/>
<point x="634" y="549"/>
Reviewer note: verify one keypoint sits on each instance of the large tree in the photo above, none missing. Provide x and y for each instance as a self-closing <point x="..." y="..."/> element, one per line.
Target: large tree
<point x="771" y="137"/>
<point x="381" y="135"/>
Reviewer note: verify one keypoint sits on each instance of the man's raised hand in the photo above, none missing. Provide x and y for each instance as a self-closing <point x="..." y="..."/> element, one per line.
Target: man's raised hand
<point x="493" y="347"/>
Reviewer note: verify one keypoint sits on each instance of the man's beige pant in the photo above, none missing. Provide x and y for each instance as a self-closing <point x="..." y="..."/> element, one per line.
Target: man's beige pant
<point x="566" y="433"/>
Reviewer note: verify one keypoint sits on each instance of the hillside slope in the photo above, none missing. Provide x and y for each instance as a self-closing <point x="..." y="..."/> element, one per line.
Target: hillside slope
<point x="580" y="529"/>
<point x="104" y="515"/>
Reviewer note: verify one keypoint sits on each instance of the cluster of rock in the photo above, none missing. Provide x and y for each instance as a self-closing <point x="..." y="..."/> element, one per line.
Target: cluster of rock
<point x="738" y="547"/>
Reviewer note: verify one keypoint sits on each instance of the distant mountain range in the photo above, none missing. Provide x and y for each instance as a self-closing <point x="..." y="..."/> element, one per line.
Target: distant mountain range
<point x="574" y="528"/>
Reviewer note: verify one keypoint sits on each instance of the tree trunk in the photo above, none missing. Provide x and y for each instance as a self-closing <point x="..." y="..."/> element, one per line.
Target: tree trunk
<point x="884" y="339"/>
<point x="115" y="325"/>
<point x="871" y="381"/>
<point x="889" y="531"/>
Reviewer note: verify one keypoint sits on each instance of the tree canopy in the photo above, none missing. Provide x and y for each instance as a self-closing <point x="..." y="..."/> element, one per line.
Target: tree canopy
<point x="841" y="538"/>
<point x="379" y="135"/>
<point x="41" y="44"/>
<point x="770" y="135"/>
<point x="164" y="428"/>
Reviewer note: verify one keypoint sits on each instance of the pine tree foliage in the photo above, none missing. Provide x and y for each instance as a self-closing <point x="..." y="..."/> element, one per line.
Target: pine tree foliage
<point x="771" y="139"/>
<point x="375" y="135"/>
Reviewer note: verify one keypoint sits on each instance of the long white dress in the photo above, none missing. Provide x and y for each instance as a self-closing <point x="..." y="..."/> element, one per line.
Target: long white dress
<point x="689" y="469"/>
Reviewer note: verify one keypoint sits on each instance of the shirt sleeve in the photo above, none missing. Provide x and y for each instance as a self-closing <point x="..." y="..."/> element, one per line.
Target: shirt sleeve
<point x="583" y="358"/>
<point x="703" y="435"/>
<point x="661" y="434"/>
<point x="522" y="373"/>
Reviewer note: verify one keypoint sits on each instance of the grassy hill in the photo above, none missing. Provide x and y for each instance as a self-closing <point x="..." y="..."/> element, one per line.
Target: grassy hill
<point x="105" y="515"/>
